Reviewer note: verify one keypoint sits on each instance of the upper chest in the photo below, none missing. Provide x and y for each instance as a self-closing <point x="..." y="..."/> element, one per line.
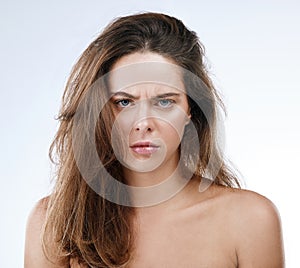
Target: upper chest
<point x="191" y="239"/>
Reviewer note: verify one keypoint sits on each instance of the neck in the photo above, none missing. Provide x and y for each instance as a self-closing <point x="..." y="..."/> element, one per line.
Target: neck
<point x="151" y="178"/>
<point x="157" y="189"/>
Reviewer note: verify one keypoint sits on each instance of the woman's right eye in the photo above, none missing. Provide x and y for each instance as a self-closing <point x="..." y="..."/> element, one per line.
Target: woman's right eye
<point x="123" y="103"/>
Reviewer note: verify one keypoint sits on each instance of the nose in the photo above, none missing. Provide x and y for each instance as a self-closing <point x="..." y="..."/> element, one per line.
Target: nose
<point x="143" y="118"/>
<point x="144" y="126"/>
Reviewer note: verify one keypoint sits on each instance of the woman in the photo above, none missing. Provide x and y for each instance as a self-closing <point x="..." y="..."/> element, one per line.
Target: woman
<point x="141" y="180"/>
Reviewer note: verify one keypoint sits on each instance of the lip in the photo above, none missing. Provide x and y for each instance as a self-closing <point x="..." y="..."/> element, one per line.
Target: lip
<point x="144" y="147"/>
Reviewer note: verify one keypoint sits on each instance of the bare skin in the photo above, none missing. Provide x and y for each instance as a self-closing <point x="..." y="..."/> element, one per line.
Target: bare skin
<point x="220" y="227"/>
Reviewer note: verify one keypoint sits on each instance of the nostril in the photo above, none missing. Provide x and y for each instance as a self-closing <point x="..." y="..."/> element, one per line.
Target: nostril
<point x="147" y="129"/>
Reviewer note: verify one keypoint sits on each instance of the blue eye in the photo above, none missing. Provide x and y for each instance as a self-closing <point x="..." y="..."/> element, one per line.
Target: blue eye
<point x="123" y="103"/>
<point x="165" y="103"/>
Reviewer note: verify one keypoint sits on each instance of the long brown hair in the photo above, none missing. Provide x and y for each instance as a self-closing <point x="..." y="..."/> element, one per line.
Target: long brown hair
<point x="82" y="223"/>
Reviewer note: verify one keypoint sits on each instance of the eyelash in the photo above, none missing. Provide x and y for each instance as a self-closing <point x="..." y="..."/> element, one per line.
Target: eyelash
<point x="118" y="103"/>
<point x="171" y="102"/>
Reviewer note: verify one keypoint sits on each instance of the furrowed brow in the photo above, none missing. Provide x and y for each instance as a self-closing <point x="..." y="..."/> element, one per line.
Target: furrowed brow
<point x="127" y="95"/>
<point x="123" y="94"/>
<point x="169" y="94"/>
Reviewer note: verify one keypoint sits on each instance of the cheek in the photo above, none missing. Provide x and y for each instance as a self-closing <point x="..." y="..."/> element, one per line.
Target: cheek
<point x="123" y="124"/>
<point x="171" y="137"/>
<point x="120" y="136"/>
<point x="172" y="132"/>
<point x="177" y="122"/>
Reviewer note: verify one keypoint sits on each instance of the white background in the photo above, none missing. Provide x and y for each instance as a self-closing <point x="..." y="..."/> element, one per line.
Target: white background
<point x="253" y="51"/>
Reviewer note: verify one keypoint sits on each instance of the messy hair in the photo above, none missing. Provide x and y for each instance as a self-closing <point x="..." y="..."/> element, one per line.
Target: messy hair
<point x="83" y="224"/>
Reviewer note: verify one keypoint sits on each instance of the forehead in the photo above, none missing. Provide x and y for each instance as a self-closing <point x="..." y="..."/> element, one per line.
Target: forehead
<point x="140" y="57"/>
<point x="145" y="72"/>
<point x="149" y="91"/>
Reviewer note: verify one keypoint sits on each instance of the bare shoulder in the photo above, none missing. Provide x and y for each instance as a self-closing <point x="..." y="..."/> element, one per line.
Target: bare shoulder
<point x="255" y="226"/>
<point x="38" y="213"/>
<point x="249" y="204"/>
<point x="252" y="209"/>
<point x="36" y="219"/>
<point x="34" y="255"/>
<point x="241" y="202"/>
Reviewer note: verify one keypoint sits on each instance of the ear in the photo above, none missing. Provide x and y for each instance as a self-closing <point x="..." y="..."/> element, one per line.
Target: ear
<point x="188" y="120"/>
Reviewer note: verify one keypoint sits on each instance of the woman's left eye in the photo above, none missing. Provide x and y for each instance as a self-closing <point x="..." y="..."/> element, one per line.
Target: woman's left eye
<point x="165" y="103"/>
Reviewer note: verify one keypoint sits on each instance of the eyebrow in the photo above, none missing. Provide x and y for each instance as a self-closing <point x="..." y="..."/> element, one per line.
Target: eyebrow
<point x="124" y="94"/>
<point x="160" y="96"/>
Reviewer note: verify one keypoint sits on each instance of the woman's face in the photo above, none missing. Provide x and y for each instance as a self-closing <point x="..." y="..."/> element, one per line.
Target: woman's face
<point x="151" y="117"/>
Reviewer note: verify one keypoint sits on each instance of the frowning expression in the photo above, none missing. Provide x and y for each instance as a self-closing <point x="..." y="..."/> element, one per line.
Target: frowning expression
<point x="152" y="116"/>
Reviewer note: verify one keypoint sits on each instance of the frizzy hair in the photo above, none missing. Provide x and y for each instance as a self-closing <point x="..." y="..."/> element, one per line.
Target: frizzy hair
<point x="79" y="222"/>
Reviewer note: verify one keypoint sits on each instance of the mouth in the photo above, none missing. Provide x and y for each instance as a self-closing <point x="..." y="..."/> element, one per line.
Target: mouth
<point x="144" y="148"/>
